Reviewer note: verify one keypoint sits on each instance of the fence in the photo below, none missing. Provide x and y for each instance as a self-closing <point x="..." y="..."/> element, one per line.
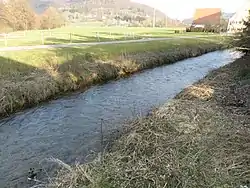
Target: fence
<point x="46" y="36"/>
<point x="5" y="36"/>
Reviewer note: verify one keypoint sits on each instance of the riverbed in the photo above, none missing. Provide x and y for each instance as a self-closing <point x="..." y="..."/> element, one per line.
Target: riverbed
<point x="69" y="128"/>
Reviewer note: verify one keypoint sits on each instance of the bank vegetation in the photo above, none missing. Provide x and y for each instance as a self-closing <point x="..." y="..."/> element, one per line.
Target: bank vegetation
<point x="199" y="139"/>
<point x="30" y="77"/>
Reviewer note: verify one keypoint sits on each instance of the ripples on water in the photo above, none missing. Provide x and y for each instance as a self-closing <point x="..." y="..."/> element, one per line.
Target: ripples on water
<point x="69" y="128"/>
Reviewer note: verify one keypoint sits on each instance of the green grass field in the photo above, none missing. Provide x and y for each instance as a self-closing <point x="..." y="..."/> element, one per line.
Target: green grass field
<point x="102" y="52"/>
<point x="29" y="77"/>
<point x="79" y="34"/>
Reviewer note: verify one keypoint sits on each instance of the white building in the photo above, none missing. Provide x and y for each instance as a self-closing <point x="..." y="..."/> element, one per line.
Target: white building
<point x="236" y="22"/>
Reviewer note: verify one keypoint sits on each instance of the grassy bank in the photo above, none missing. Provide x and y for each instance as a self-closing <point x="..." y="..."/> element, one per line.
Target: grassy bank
<point x="200" y="139"/>
<point x="29" y="77"/>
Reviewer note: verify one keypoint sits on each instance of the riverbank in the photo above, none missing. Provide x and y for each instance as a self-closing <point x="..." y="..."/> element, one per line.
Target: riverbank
<point x="28" y="78"/>
<point x="199" y="139"/>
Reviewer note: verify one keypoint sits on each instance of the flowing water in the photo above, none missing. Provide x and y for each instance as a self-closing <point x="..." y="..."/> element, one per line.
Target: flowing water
<point x="69" y="128"/>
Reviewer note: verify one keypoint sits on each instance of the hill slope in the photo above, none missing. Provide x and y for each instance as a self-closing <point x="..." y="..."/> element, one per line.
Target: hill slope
<point x="104" y="9"/>
<point x="41" y="5"/>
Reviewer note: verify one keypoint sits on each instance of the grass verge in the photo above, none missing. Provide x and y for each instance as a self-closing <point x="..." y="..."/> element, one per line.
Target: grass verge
<point x="200" y="139"/>
<point x="29" y="77"/>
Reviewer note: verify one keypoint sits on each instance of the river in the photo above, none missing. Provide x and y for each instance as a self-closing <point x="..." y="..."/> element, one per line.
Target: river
<point x="69" y="128"/>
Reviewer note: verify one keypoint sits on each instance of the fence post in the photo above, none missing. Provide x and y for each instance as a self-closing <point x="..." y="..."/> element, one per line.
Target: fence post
<point x="70" y="37"/>
<point x="102" y="141"/>
<point x="49" y="32"/>
<point x="5" y="39"/>
<point x="97" y="36"/>
<point x="42" y="37"/>
<point x="110" y="34"/>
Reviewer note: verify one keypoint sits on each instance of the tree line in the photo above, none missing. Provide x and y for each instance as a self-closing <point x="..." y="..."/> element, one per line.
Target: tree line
<point x="18" y="15"/>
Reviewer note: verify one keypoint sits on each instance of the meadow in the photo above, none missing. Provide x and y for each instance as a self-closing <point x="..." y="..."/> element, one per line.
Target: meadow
<point x="80" y="34"/>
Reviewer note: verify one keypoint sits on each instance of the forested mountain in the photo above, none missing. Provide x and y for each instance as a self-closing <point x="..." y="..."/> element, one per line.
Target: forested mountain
<point x="105" y="10"/>
<point x="116" y="5"/>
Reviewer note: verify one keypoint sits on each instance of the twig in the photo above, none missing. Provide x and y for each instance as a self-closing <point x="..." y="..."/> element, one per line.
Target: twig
<point x="102" y="144"/>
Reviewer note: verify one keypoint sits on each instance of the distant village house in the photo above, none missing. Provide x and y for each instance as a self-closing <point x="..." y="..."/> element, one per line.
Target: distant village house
<point x="236" y="22"/>
<point x="207" y="18"/>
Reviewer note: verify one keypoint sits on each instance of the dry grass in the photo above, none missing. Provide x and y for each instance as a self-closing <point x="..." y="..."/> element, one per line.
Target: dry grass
<point x="203" y="92"/>
<point x="27" y="78"/>
<point x="196" y="140"/>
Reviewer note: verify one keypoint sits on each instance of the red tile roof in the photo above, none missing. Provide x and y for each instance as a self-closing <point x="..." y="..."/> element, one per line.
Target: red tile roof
<point x="207" y="16"/>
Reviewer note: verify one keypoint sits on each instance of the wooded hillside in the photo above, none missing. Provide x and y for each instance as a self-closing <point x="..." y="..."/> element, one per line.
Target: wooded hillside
<point x="107" y="11"/>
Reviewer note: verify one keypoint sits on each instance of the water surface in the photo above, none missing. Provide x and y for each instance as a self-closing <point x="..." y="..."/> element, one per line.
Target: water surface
<point x="69" y="128"/>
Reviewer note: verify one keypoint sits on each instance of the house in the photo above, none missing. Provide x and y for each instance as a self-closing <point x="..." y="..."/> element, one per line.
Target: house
<point x="207" y="17"/>
<point x="236" y="22"/>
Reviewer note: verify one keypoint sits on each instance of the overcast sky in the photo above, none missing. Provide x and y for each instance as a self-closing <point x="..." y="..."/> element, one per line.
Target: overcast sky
<point x="182" y="9"/>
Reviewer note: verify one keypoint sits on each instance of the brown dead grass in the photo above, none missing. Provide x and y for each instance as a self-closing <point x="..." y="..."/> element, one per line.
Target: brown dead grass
<point x="203" y="92"/>
<point x="199" y="139"/>
<point x="25" y="86"/>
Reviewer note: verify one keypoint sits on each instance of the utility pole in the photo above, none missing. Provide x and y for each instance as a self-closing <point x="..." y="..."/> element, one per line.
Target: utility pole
<point x="166" y="21"/>
<point x="102" y="3"/>
<point x="154" y="18"/>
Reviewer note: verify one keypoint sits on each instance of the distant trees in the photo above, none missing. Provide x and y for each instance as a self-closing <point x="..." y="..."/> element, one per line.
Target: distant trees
<point x="140" y="19"/>
<point x="18" y="15"/>
<point x="223" y="24"/>
<point x="3" y="20"/>
<point x="51" y="18"/>
<point x="243" y="39"/>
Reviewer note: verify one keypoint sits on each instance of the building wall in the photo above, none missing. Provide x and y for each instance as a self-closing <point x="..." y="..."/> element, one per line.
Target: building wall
<point x="207" y="16"/>
<point x="236" y="23"/>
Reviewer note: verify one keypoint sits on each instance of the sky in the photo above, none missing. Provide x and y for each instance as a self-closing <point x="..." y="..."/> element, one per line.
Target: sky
<point x="181" y="9"/>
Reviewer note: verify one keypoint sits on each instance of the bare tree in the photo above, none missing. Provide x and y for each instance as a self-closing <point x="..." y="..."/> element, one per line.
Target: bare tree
<point x="51" y="19"/>
<point x="18" y="14"/>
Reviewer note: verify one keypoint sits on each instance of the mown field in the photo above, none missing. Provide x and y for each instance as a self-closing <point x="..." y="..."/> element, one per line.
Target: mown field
<point x="79" y="34"/>
<point x="29" y="77"/>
